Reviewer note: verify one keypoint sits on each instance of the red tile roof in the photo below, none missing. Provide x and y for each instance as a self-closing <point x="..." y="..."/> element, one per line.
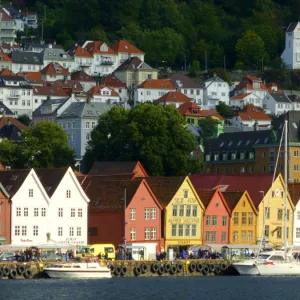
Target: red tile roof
<point x="95" y="48"/>
<point x="252" y="112"/>
<point x="78" y="51"/>
<point x="247" y="82"/>
<point x="240" y="96"/>
<point x="112" y="81"/>
<point x="11" y="120"/>
<point x="68" y="84"/>
<point x="294" y="191"/>
<point x="96" y="90"/>
<point x="54" y="68"/>
<point x="49" y="91"/>
<point x="125" y="47"/>
<point x="7" y="72"/>
<point x="175" y="97"/>
<point x="232" y="198"/>
<point x="160" y="84"/>
<point x="34" y="77"/>
<point x="254" y="184"/>
<point x="205" y="196"/>
<point x="82" y="76"/>
<point x="5" y="16"/>
<point x="5" y="57"/>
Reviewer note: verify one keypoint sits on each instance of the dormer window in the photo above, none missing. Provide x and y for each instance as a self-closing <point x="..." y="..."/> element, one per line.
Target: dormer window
<point x="216" y="157"/>
<point x="195" y="111"/>
<point x="256" y="85"/>
<point x="233" y="156"/>
<point x="207" y="157"/>
<point x="242" y="155"/>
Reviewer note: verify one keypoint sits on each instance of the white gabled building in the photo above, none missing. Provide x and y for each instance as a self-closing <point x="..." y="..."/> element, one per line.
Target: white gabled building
<point x="241" y="100"/>
<point x="103" y="94"/>
<point x="277" y="103"/>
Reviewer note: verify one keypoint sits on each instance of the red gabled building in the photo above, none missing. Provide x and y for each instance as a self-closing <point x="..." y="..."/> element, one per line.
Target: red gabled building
<point x="5" y="216"/>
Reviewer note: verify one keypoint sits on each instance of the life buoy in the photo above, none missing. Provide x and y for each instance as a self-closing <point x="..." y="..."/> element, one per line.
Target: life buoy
<point x="27" y="274"/>
<point x="21" y="269"/>
<point x="112" y="268"/>
<point x="218" y="269"/>
<point x="154" y="267"/>
<point x="1" y="274"/>
<point x="13" y="274"/>
<point x="124" y="271"/>
<point x="117" y="271"/>
<point x="192" y="267"/>
<point x="173" y="270"/>
<point x="205" y="270"/>
<point x="199" y="267"/>
<point x="5" y="271"/>
<point x="179" y="267"/>
<point x="144" y="268"/>
<point x="212" y="267"/>
<point x="137" y="271"/>
<point x="161" y="270"/>
<point x="223" y="267"/>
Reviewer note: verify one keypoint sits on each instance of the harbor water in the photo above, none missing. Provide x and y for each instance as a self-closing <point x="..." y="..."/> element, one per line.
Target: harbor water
<point x="155" y="288"/>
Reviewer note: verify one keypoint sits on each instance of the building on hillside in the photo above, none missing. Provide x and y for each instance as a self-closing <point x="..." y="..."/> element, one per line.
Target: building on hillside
<point x="217" y="216"/>
<point x="251" y="116"/>
<point x="5" y="216"/>
<point x="86" y="81"/>
<point x="118" y="86"/>
<point x="23" y="61"/>
<point x="134" y="71"/>
<point x="83" y="59"/>
<point x="34" y="78"/>
<point x="57" y="55"/>
<point x="277" y="103"/>
<point x="188" y="87"/>
<point x="132" y="211"/>
<point x="8" y="47"/>
<point x="54" y="71"/>
<point x="242" y="100"/>
<point x="173" y="98"/>
<point x="11" y="129"/>
<point x="215" y="90"/>
<point x="78" y="120"/>
<point x="8" y="27"/>
<point x="5" y="111"/>
<point x="16" y="15"/>
<point x="150" y="90"/>
<point x="30" y="19"/>
<point x="183" y="211"/>
<point x="294" y="192"/>
<point x="103" y="94"/>
<point x="295" y="99"/>
<point x="7" y="72"/>
<point x="5" y="61"/>
<point x="243" y="222"/>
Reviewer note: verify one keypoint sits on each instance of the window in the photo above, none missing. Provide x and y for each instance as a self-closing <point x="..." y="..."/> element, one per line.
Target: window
<point x="72" y="212"/>
<point x="18" y="212"/>
<point x="235" y="236"/>
<point x="224" y="221"/>
<point x="250" y="236"/>
<point x="133" y="234"/>
<point x="87" y="137"/>
<point x="181" y="210"/>
<point x="35" y="230"/>
<point x="207" y="236"/>
<point x="78" y="231"/>
<point x="24" y="230"/>
<point x="73" y="124"/>
<point x="244" y="218"/>
<point x="296" y="153"/>
<point x="213" y="236"/>
<point x="185" y="194"/>
<point x="298" y="233"/>
<point x="236" y="218"/>
<point x="279" y="232"/>
<point x="87" y="125"/>
<point x="194" y="230"/>
<point x="153" y="213"/>
<point x="174" y="210"/>
<point x="60" y="212"/>
<point x="267" y="231"/>
<point x="174" y="229"/>
<point x="195" y="213"/>
<point x="279" y="214"/>
<point x="296" y="168"/>
<point x="250" y="218"/>
<point x="35" y="212"/>
<point x="93" y="124"/>
<point x="208" y="220"/>
<point x="30" y="193"/>
<point x="214" y="220"/>
<point x="188" y="211"/>
<point x="147" y="213"/>
<point x="43" y="212"/>
<point x="243" y="236"/>
<point x="187" y="230"/>
<point x="68" y="193"/>
<point x="60" y="231"/>
<point x="153" y="233"/>
<point x="180" y="230"/>
<point x="147" y="233"/>
<point x="79" y="213"/>
<point x="17" y="230"/>
<point x="71" y="231"/>
<point x="132" y="214"/>
<point x="298" y="215"/>
<point x="224" y="237"/>
<point x="288" y="214"/>
<point x="25" y="212"/>
<point x="267" y="212"/>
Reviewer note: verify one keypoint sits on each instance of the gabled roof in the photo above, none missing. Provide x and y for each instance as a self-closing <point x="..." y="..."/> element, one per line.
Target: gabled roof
<point x="215" y="78"/>
<point x="294" y="191"/>
<point x="114" y="82"/>
<point x="180" y="81"/>
<point x="133" y="64"/>
<point x="247" y="82"/>
<point x="10" y="120"/>
<point x="82" y="76"/>
<point x="78" y="51"/>
<point x="292" y="27"/>
<point x="7" y="72"/>
<point x="95" y="48"/>
<point x="161" y="84"/>
<point x="49" y="91"/>
<point x="5" y="16"/>
<point x="240" y="96"/>
<point x="232" y="199"/>
<point x="68" y="84"/>
<point x="32" y="77"/>
<point x="24" y="57"/>
<point x="56" y="54"/>
<point x="251" y="112"/>
<point x="51" y="178"/>
<point x="54" y="68"/>
<point x="254" y="184"/>
<point x="53" y="104"/>
<point x="10" y="132"/>
<point x="124" y="46"/>
<point x="4" y="57"/>
<point x="96" y="90"/>
<point x="5" y="111"/>
<point x="205" y="196"/>
<point x="28" y="13"/>
<point x="280" y="98"/>
<point x="174" y="97"/>
<point x="13" y="78"/>
<point x="294" y="98"/>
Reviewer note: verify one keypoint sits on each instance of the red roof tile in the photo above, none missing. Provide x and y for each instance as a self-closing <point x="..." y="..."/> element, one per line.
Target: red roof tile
<point x="54" y="68"/>
<point x="34" y="77"/>
<point x="82" y="76"/>
<point x="175" y="97"/>
<point x="252" y="112"/>
<point x="125" y="47"/>
<point x="78" y="51"/>
<point x="112" y="81"/>
<point x="240" y="96"/>
<point x="49" y="91"/>
<point x="160" y="84"/>
<point x="7" y="72"/>
<point x="294" y="191"/>
<point x="95" y="48"/>
<point x="5" y="57"/>
<point x="205" y="196"/>
<point x="96" y="90"/>
<point x="11" y="120"/>
<point x="247" y="82"/>
<point x="5" y="16"/>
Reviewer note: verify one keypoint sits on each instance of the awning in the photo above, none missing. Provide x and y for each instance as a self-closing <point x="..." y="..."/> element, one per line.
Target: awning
<point x="2" y="239"/>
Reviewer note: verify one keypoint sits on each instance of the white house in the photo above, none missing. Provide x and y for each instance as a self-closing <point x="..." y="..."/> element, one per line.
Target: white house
<point x="173" y="98"/>
<point x="118" y="86"/>
<point x="295" y="99"/>
<point x="103" y="94"/>
<point x="30" y="19"/>
<point x="54" y="71"/>
<point x="24" y="61"/>
<point x="83" y="59"/>
<point x="86" y="81"/>
<point x="57" y="55"/>
<point x="241" y="100"/>
<point x="277" y="103"/>
<point x="215" y="90"/>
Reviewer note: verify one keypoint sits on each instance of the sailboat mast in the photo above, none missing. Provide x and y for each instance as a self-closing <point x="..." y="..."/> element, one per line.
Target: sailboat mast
<point x="285" y="186"/>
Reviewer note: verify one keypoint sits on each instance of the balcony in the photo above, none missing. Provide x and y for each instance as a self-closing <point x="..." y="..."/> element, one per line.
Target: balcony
<point x="13" y="96"/>
<point x="84" y="64"/>
<point x="106" y="63"/>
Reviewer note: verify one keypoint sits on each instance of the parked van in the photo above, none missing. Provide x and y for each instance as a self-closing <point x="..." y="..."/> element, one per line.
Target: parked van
<point x="101" y="250"/>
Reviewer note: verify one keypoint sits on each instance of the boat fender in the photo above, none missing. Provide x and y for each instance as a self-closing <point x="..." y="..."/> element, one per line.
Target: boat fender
<point x="13" y="274"/>
<point x="20" y="259"/>
<point x="154" y="267"/>
<point x="205" y="270"/>
<point x="117" y="271"/>
<point x="27" y="274"/>
<point x="161" y="270"/>
<point x="179" y="267"/>
<point x="173" y="270"/>
<point x="223" y="267"/>
<point x="124" y="271"/>
<point x="168" y="267"/>
<point x="218" y="269"/>
<point x="5" y="271"/>
<point x="212" y="267"/>
<point x="21" y="269"/>
<point x="112" y="268"/>
<point x="192" y="267"/>
<point x="144" y="268"/>
<point x="199" y="267"/>
<point x="137" y="271"/>
<point x="1" y="274"/>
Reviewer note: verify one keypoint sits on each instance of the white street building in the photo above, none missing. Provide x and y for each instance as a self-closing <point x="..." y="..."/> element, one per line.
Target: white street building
<point x="277" y="103"/>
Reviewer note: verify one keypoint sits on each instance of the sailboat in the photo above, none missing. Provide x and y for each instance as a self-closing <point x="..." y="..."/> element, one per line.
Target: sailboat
<point x="288" y="266"/>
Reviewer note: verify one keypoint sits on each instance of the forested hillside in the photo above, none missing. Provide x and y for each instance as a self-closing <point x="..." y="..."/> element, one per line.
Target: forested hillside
<point x="245" y="32"/>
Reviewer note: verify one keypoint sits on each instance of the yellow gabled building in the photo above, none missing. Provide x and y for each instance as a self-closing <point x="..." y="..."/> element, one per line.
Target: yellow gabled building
<point x="243" y="222"/>
<point x="183" y="211"/>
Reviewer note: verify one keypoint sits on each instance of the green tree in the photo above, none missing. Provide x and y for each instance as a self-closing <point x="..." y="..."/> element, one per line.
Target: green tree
<point x="223" y="109"/>
<point x="207" y="126"/>
<point x="11" y="154"/>
<point x="24" y="119"/>
<point x="152" y="134"/>
<point x="250" y="50"/>
<point x="195" y="68"/>
<point x="97" y="34"/>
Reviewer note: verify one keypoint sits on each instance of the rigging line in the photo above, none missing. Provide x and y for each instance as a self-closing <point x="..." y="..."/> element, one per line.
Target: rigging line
<point x="270" y="194"/>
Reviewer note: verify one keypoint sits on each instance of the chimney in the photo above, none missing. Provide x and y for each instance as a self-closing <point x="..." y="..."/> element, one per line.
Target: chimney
<point x="255" y="126"/>
<point x="50" y="46"/>
<point x="54" y="43"/>
<point x="88" y="100"/>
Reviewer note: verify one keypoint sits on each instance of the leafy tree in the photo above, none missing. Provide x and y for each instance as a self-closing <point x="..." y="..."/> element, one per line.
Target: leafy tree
<point x="207" y="126"/>
<point x="153" y="134"/>
<point x="11" y="154"/>
<point x="250" y="50"/>
<point x="195" y="68"/>
<point x="223" y="109"/>
<point x="97" y="34"/>
<point x="24" y="119"/>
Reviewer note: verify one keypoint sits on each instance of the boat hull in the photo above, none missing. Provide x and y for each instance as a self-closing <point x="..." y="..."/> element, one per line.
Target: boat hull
<point x="246" y="268"/>
<point x="59" y="273"/>
<point x="280" y="269"/>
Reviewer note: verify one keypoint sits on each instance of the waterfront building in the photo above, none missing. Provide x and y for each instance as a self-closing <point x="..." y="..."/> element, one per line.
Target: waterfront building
<point x="294" y="191"/>
<point x="5" y="214"/>
<point x="216" y="219"/>
<point x="182" y="210"/>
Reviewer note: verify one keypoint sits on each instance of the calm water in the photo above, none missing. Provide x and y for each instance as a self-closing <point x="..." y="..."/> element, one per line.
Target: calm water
<point x="213" y="288"/>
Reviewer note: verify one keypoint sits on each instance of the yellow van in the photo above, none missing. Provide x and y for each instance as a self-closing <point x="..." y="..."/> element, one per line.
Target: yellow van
<point x="101" y="250"/>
